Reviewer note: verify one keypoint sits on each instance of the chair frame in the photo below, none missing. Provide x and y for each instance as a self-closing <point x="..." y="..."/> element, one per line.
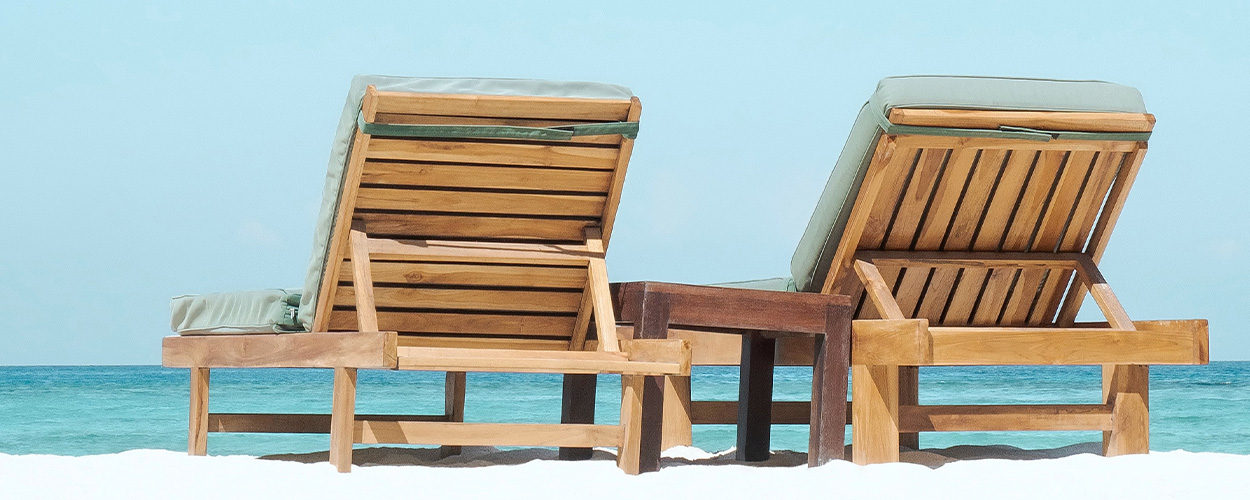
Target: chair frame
<point x="887" y="351"/>
<point x="643" y="363"/>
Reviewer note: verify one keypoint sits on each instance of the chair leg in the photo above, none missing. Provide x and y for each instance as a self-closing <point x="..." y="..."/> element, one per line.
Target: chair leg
<point x="343" y="419"/>
<point x="578" y="407"/>
<point x="909" y="395"/>
<point x="197" y="432"/>
<point x="828" y="414"/>
<point x="874" y="414"/>
<point x="453" y="407"/>
<point x="642" y="418"/>
<point x="1126" y="388"/>
<point x="678" y="430"/>
<point x="755" y="397"/>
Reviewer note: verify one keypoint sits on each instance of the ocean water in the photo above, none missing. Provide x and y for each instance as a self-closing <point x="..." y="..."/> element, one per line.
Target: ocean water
<point x="107" y="409"/>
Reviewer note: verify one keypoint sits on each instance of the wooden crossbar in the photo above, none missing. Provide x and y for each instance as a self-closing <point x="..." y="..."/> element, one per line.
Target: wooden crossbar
<point x="726" y="412"/>
<point x="946" y="418"/>
<point x="469" y="251"/>
<point x="914" y="343"/>
<point x="286" y="350"/>
<point x="295" y="423"/>
<point x="505" y="360"/>
<point x="1043" y="120"/>
<point x="1021" y="260"/>
<point x="462" y="434"/>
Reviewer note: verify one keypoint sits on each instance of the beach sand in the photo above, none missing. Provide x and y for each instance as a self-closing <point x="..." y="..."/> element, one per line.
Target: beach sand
<point x="964" y="472"/>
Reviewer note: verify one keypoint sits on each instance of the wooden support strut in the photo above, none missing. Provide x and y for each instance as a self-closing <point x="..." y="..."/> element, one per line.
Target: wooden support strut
<point x="1124" y="416"/>
<point x="601" y="296"/>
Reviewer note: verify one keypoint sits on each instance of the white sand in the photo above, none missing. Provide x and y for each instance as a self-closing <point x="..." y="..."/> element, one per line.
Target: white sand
<point x="688" y="473"/>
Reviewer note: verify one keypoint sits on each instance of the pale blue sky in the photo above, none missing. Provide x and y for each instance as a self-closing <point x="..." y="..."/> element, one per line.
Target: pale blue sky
<point x="153" y="149"/>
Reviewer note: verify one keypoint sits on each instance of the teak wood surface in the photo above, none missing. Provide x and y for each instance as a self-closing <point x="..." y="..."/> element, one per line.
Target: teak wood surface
<point x="461" y="255"/>
<point x="756" y="322"/>
<point x="979" y="251"/>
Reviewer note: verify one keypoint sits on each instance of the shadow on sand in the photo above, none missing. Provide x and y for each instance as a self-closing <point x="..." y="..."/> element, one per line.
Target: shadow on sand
<point x="475" y="456"/>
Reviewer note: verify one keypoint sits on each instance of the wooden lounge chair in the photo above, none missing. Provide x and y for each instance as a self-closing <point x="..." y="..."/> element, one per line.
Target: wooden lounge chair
<point x="463" y="229"/>
<point x="966" y="217"/>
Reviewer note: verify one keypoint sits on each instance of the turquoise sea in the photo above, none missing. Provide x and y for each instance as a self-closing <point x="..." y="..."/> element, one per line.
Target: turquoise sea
<point x="84" y="410"/>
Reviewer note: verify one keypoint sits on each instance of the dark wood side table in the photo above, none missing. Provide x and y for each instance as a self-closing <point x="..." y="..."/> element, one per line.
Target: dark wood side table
<point x="760" y="317"/>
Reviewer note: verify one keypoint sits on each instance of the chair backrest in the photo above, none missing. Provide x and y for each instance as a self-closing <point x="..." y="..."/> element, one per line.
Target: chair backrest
<point x="942" y="180"/>
<point x="475" y="170"/>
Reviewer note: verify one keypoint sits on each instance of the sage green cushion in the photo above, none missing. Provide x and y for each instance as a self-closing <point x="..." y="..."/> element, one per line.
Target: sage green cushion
<point x="812" y="258"/>
<point x="243" y="312"/>
<point x="260" y="311"/>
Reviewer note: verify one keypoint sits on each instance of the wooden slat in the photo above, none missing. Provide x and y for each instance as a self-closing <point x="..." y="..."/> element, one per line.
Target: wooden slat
<point x="907" y="224"/>
<point x="1021" y="227"/>
<point x="911" y="208"/>
<point x="401" y="118"/>
<point x="581" y="322"/>
<point x="976" y="199"/>
<point x="482" y="203"/>
<point x="954" y="418"/>
<point x="1102" y="229"/>
<point x="946" y="199"/>
<point x="530" y="107"/>
<point x="434" y="273"/>
<point x="1021" y="260"/>
<point x="1054" y="221"/>
<point x="288" y="350"/>
<point x="887" y="203"/>
<point x="463" y="434"/>
<point x="294" y="423"/>
<point x="934" y="141"/>
<point x="486" y="177"/>
<point x="487" y="324"/>
<point x="533" y="155"/>
<point x="479" y="252"/>
<point x="462" y="299"/>
<point x="484" y="343"/>
<point x="1077" y="233"/>
<point x="946" y="282"/>
<point x="1043" y="120"/>
<point x="496" y="360"/>
<point x="988" y="236"/>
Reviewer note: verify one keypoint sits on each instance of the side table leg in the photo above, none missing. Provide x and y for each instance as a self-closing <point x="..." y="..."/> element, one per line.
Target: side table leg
<point x="828" y="420"/>
<point x="578" y="407"/>
<point x="755" y="397"/>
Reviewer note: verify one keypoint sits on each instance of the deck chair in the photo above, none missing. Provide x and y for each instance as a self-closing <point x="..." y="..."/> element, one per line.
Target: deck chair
<point x="966" y="218"/>
<point x="463" y="228"/>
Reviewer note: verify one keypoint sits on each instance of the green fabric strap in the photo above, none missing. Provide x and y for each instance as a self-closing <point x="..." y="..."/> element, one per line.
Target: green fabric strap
<point x="1007" y="132"/>
<point x="628" y="130"/>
